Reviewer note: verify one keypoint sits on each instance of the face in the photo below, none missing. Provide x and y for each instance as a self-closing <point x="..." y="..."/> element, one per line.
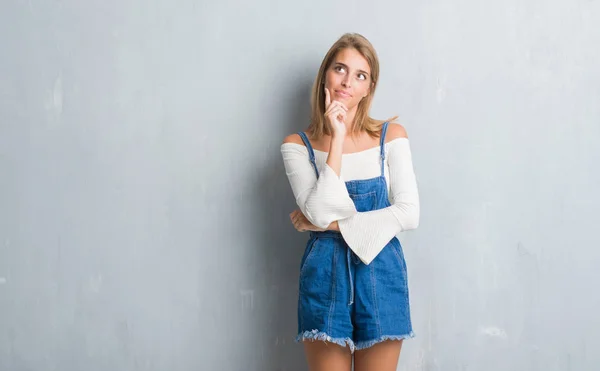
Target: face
<point x="348" y="78"/>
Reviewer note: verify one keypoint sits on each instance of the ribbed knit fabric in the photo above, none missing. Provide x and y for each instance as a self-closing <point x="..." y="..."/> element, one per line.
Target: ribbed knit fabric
<point x="326" y="200"/>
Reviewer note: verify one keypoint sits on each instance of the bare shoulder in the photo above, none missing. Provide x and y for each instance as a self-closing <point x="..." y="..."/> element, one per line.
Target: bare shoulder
<point x="293" y="138"/>
<point x="395" y="131"/>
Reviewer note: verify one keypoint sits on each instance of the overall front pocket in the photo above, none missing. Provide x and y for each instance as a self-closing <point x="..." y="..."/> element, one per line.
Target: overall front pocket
<point x="364" y="201"/>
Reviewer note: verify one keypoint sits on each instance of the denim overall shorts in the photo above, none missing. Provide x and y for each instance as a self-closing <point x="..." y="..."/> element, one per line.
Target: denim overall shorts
<point x="341" y="299"/>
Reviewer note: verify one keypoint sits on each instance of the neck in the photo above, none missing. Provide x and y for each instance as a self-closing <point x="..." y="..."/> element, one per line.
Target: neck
<point x="350" y="115"/>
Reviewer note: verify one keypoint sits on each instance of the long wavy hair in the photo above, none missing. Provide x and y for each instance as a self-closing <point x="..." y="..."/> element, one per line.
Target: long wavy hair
<point x="362" y="120"/>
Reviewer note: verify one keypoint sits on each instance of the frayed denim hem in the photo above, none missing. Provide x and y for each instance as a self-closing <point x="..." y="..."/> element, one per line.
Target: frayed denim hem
<point x="370" y="343"/>
<point x="318" y="335"/>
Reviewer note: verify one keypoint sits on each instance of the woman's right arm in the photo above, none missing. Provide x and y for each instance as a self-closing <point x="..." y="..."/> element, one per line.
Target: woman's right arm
<point x="334" y="119"/>
<point x="323" y="200"/>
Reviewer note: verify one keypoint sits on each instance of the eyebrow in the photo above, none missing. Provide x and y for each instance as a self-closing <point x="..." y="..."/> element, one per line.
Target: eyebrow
<point x="342" y="64"/>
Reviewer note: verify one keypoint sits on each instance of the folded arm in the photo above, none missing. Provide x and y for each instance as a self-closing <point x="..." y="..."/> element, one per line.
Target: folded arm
<point x="367" y="233"/>
<point x="324" y="200"/>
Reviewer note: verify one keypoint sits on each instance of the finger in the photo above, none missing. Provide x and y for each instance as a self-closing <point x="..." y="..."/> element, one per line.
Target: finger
<point x="334" y="108"/>
<point x="340" y="117"/>
<point x="341" y="105"/>
<point x="336" y="113"/>
<point x="336" y="104"/>
<point x="294" y="221"/>
<point x="327" y="98"/>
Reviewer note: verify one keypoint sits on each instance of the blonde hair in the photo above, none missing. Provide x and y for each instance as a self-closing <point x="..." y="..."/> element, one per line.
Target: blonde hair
<point x="362" y="120"/>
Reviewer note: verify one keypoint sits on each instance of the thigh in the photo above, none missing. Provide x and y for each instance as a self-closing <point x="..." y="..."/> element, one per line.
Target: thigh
<point x="380" y="357"/>
<point x="322" y="356"/>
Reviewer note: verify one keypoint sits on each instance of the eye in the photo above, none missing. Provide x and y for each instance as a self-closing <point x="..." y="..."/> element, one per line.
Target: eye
<point x="362" y="76"/>
<point x="338" y="68"/>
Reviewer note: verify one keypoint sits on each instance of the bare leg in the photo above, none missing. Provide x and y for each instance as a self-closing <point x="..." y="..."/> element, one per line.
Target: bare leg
<point x="380" y="357"/>
<point x="322" y="356"/>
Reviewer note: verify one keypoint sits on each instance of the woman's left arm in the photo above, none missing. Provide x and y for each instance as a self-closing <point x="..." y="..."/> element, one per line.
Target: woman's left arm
<point x="367" y="233"/>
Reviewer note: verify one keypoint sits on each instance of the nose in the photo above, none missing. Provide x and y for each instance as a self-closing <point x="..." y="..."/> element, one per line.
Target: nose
<point x="346" y="82"/>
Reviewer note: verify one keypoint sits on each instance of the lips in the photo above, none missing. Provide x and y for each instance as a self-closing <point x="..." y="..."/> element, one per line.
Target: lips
<point x="343" y="94"/>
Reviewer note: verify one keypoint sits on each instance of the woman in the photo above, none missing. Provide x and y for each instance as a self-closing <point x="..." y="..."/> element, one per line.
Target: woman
<point x="353" y="292"/>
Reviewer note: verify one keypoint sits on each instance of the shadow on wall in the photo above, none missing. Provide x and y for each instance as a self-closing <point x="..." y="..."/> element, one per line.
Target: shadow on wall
<point x="282" y="246"/>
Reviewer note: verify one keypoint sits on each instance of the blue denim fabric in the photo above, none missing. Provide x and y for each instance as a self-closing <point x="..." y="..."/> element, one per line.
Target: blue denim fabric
<point x="341" y="299"/>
